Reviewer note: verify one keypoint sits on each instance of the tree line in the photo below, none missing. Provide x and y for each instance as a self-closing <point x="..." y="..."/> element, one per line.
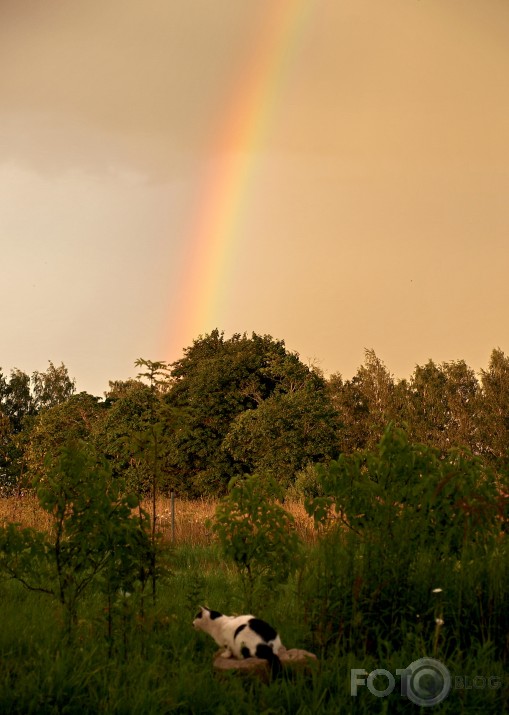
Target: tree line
<point x="246" y="406"/>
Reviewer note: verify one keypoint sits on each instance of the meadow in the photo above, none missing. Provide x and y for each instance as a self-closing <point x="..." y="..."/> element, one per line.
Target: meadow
<point x="345" y="601"/>
<point x="366" y="519"/>
<point x="191" y="516"/>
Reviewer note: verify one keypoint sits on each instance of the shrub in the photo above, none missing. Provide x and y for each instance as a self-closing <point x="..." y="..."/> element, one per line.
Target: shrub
<point x="259" y="536"/>
<point x="93" y="533"/>
<point x="401" y="522"/>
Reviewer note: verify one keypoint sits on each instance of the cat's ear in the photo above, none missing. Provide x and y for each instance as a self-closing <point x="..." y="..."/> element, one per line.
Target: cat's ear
<point x="200" y="612"/>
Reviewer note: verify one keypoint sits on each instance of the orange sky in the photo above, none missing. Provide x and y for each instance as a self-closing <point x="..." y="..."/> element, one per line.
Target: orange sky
<point x="375" y="211"/>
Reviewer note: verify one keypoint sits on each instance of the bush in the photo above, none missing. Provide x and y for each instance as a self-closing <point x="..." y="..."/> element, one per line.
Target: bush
<point x="259" y="536"/>
<point x="93" y="534"/>
<point x="411" y="540"/>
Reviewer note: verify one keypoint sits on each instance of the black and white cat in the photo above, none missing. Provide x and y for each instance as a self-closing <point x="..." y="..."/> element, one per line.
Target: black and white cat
<point x="241" y="636"/>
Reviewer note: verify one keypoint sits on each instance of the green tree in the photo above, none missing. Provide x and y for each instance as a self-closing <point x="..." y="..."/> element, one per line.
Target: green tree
<point x="16" y="400"/>
<point x="494" y="410"/>
<point x="399" y="520"/>
<point x="463" y="396"/>
<point x="285" y="433"/>
<point x="366" y="403"/>
<point x="259" y="536"/>
<point x="74" y="419"/>
<point x="149" y="442"/>
<point x="3" y="387"/>
<point x="413" y="494"/>
<point x="128" y="411"/>
<point x="442" y="406"/>
<point x="52" y="387"/>
<point x="16" y="410"/>
<point x="215" y="381"/>
<point x="7" y="453"/>
<point x="21" y="398"/>
<point x="93" y="532"/>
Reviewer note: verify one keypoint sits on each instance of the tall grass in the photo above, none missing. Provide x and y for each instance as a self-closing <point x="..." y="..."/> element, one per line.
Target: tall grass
<point x="161" y="665"/>
<point x="24" y="510"/>
<point x="363" y="604"/>
<point x="190" y="525"/>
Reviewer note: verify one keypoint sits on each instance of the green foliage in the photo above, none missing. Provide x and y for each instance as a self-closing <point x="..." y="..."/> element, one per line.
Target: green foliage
<point x="400" y="521"/>
<point x="127" y="413"/>
<point x="156" y="372"/>
<point x="411" y="556"/>
<point x="137" y="424"/>
<point x="412" y="494"/>
<point x="247" y="405"/>
<point x="148" y="444"/>
<point x="76" y="419"/>
<point x="52" y="387"/>
<point x="9" y="456"/>
<point x="16" y="400"/>
<point x="306" y="484"/>
<point x="94" y="533"/>
<point x="258" y="536"/>
<point x="239" y="395"/>
<point x="442" y="406"/>
<point x="21" y="399"/>
<point x="22" y="396"/>
<point x="166" y="666"/>
<point x="493" y="433"/>
<point x="285" y="433"/>
<point x="365" y="404"/>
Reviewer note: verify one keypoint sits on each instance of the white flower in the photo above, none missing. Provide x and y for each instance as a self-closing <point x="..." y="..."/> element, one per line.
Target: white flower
<point x="437" y="590"/>
<point x="439" y="621"/>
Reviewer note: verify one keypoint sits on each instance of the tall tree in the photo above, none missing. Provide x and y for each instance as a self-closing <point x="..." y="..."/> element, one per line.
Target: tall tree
<point x="494" y="422"/>
<point x="127" y="413"/>
<point x="366" y="403"/>
<point x="75" y="419"/>
<point x="52" y="387"/>
<point x="136" y="429"/>
<point x="442" y="406"/>
<point x="17" y="407"/>
<point x="7" y="455"/>
<point x="21" y="398"/>
<point x="463" y="397"/>
<point x="215" y="381"/>
<point x="16" y="398"/>
<point x="285" y="433"/>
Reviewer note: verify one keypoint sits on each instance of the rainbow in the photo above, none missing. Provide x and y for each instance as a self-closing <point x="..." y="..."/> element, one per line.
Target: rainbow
<point x="224" y="192"/>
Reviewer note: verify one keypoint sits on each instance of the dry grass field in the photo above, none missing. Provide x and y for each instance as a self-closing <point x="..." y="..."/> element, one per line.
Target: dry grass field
<point x="190" y="518"/>
<point x="24" y="510"/>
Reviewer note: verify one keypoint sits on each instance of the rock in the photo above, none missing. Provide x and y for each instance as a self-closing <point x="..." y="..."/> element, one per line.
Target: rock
<point x="293" y="658"/>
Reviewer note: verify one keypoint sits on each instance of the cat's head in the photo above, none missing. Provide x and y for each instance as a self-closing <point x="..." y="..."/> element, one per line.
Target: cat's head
<point x="204" y="617"/>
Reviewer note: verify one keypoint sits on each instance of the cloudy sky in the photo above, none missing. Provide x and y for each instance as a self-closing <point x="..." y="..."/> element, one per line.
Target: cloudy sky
<point x="366" y="149"/>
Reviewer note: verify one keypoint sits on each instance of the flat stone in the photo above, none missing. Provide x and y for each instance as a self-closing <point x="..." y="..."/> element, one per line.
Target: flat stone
<point x="257" y="666"/>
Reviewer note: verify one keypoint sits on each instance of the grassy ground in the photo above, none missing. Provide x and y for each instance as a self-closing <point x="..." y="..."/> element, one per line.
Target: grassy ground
<point x="158" y="664"/>
<point x="152" y="661"/>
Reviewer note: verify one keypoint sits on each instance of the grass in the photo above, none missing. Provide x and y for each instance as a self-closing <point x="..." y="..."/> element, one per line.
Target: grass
<point x="161" y="665"/>
<point x="336" y="606"/>
<point x="190" y="518"/>
<point x="24" y="510"/>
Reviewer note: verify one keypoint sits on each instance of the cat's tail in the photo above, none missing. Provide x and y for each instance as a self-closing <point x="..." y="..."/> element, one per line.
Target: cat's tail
<point x="265" y="651"/>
